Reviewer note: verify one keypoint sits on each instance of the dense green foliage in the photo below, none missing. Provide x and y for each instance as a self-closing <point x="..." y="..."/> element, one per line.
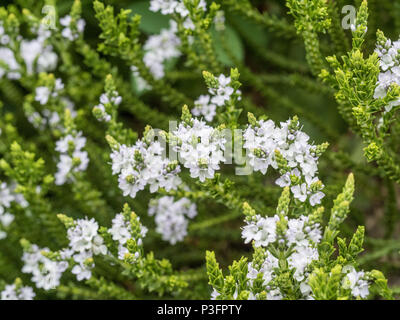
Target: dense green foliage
<point x="291" y="60"/>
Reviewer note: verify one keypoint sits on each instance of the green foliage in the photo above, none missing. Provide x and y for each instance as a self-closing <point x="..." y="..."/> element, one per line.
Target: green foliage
<point x="286" y="60"/>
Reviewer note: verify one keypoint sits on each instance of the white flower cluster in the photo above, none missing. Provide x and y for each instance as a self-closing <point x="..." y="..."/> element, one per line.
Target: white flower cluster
<point x="50" y="118"/>
<point x="200" y="148"/>
<point x="301" y="239"/>
<point x="267" y="270"/>
<point x="176" y="7"/>
<point x="7" y="196"/>
<point x="43" y="93"/>
<point x="206" y="105"/>
<point x="263" y="140"/>
<point x="84" y="242"/>
<point x="72" y="157"/>
<point x="12" y="70"/>
<point x="389" y="60"/>
<point x="46" y="273"/>
<point x="121" y="232"/>
<point x="300" y="236"/>
<point x="144" y="164"/>
<point x="223" y="92"/>
<point x="105" y="99"/>
<point x="37" y="51"/>
<point x="11" y="292"/>
<point x="141" y="84"/>
<point x="355" y="281"/>
<point x="160" y="48"/>
<point x="171" y="217"/>
<point x="36" y="54"/>
<point x="67" y="32"/>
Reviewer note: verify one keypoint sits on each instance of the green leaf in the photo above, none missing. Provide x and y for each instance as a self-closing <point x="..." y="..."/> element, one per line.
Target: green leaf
<point x="252" y="32"/>
<point x="152" y="22"/>
<point x="228" y="43"/>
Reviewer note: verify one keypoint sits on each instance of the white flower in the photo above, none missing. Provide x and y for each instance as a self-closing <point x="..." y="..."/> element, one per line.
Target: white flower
<point x="11" y="292"/>
<point x="300" y="192"/>
<point x="262" y="231"/>
<point x="171" y="217"/>
<point x="316" y="198"/>
<point x="300" y="259"/>
<point x="84" y="242"/>
<point x="274" y="294"/>
<point x="84" y="237"/>
<point x="354" y="281"/>
<point x="83" y="160"/>
<point x="64" y="166"/>
<point x="141" y="84"/>
<point x="214" y="294"/>
<point x="47" y="60"/>
<point x="78" y="141"/>
<point x="175" y="6"/>
<point x="200" y="148"/>
<point x="203" y="107"/>
<point x="42" y="95"/>
<point x="67" y="32"/>
<point x="13" y="68"/>
<point x="121" y="232"/>
<point x="263" y="140"/>
<point x="30" y="50"/>
<point x="6" y="196"/>
<point x="112" y="98"/>
<point x="223" y="92"/>
<point x="144" y="164"/>
<point x="390" y="71"/>
<point x="219" y="20"/>
<point x="74" y="160"/>
<point x="6" y="218"/>
<point x="82" y="269"/>
<point x="267" y="269"/>
<point x="46" y="273"/>
<point x="160" y="48"/>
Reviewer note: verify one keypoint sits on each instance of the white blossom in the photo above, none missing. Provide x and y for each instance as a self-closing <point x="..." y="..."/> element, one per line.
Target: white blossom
<point x="7" y="197"/>
<point x="84" y="242"/>
<point x="72" y="157"/>
<point x="355" y="280"/>
<point x="67" y="32"/>
<point x="203" y="107"/>
<point x="105" y="99"/>
<point x="144" y="164"/>
<point x="262" y="231"/>
<point x="160" y="48"/>
<point x="200" y="148"/>
<point x="11" y="292"/>
<point x="167" y="7"/>
<point x="223" y="92"/>
<point x="13" y="69"/>
<point x="46" y="273"/>
<point x="171" y="217"/>
<point x="141" y="84"/>
<point x="82" y="268"/>
<point x="121" y="232"/>
<point x="389" y="61"/>
<point x="84" y="237"/>
<point x="262" y="141"/>
<point x="42" y="94"/>
<point x="300" y="236"/>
